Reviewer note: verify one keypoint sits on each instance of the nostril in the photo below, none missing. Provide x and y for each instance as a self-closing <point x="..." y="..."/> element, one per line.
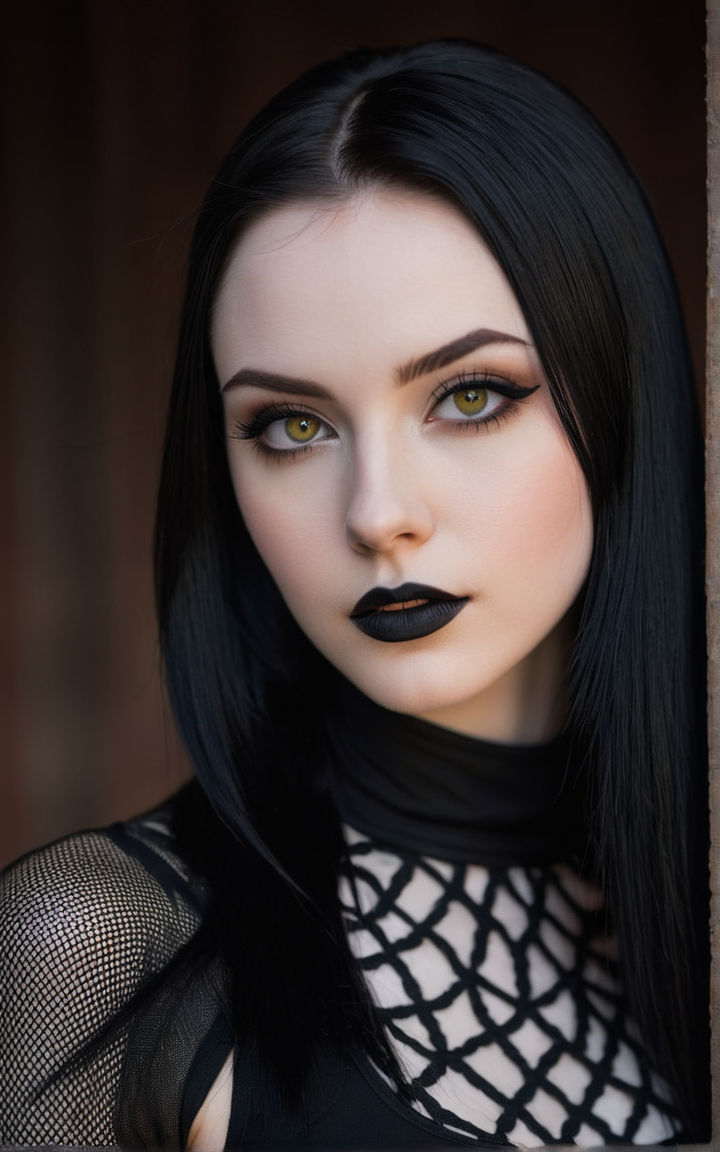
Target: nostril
<point x="378" y="518"/>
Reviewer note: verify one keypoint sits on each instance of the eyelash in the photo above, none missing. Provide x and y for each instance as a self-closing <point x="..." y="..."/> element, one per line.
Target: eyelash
<point x="501" y="386"/>
<point x="253" y="428"/>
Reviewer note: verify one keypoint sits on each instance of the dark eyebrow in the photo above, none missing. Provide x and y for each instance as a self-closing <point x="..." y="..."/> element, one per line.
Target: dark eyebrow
<point x="275" y="381"/>
<point x="430" y="362"/>
<point x="441" y="357"/>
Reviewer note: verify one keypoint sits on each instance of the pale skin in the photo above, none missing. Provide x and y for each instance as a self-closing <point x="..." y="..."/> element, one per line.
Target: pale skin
<point x="388" y="420"/>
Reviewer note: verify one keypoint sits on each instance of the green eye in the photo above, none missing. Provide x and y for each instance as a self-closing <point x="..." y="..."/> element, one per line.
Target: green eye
<point x="301" y="428"/>
<point x="471" y="401"/>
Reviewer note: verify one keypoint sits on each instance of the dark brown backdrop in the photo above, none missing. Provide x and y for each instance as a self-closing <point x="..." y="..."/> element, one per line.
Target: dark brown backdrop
<point x="115" y="115"/>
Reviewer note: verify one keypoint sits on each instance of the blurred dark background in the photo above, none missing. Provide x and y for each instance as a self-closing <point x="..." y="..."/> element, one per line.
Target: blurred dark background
<point x="115" y="115"/>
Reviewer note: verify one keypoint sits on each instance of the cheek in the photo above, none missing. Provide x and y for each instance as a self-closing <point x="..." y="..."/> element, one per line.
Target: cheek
<point x="532" y="530"/>
<point x="285" y="527"/>
<point x="556" y="535"/>
<point x="557" y="505"/>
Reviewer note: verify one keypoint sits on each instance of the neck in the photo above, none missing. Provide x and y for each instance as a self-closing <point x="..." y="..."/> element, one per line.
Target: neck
<point x="415" y="785"/>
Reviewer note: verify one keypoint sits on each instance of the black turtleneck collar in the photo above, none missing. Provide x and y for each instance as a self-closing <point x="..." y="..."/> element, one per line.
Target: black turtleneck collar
<point x="415" y="786"/>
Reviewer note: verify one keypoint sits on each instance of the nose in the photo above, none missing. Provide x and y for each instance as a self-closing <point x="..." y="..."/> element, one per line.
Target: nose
<point x="386" y="505"/>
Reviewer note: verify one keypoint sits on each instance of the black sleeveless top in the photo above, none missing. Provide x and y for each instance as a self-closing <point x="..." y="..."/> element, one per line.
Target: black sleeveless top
<point x="464" y="903"/>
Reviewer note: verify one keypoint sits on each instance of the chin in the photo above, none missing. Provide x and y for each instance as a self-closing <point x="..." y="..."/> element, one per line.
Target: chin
<point x="414" y="691"/>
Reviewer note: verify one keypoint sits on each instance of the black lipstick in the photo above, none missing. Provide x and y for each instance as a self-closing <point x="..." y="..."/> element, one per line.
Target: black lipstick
<point x="379" y="616"/>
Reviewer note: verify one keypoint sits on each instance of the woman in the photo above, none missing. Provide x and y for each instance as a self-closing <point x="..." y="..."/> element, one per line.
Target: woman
<point x="429" y="596"/>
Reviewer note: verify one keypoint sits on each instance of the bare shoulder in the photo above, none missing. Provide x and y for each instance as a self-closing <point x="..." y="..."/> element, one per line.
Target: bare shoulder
<point x="209" y="1129"/>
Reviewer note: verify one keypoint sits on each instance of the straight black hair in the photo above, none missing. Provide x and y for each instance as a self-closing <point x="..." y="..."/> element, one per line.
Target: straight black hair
<point x="569" y="225"/>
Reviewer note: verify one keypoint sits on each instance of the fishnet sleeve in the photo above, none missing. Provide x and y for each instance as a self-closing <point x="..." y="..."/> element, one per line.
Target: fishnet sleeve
<point x="82" y="925"/>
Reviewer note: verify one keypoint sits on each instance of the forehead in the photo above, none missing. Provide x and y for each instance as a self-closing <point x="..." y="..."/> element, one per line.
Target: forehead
<point x="383" y="270"/>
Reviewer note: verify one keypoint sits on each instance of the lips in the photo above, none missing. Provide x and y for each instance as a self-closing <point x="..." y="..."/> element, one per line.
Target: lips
<point x="408" y="612"/>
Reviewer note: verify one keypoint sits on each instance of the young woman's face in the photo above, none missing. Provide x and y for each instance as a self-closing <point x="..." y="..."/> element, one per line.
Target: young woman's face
<point x="389" y="424"/>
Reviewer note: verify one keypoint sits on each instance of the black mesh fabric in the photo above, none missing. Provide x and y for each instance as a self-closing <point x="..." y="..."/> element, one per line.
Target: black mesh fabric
<point x="498" y="994"/>
<point x="494" y="992"/>
<point x="85" y="923"/>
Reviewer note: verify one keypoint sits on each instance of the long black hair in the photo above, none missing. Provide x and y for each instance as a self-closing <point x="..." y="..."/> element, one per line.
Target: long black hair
<point x="569" y="225"/>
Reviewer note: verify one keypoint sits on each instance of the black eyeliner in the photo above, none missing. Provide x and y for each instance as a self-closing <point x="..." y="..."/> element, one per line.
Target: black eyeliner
<point x="255" y="425"/>
<point x="499" y="384"/>
<point x="253" y="428"/>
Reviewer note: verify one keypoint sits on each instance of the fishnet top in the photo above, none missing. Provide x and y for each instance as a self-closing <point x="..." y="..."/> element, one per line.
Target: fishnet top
<point x="500" y="1000"/>
<point x="480" y="950"/>
<point x="486" y="953"/>
<point x="85" y="923"/>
